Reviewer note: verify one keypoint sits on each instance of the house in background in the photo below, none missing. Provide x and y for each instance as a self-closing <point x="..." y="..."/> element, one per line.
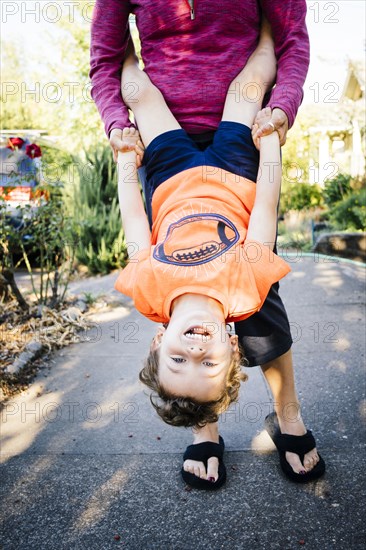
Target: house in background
<point x="354" y="92"/>
<point x="336" y="142"/>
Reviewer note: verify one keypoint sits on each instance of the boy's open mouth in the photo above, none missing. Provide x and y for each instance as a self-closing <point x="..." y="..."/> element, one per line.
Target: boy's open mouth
<point x="198" y="333"/>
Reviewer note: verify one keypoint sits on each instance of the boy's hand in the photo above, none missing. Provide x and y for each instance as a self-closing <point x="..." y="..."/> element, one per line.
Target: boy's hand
<point x="126" y="140"/>
<point x="139" y="148"/>
<point x="262" y="120"/>
<point x="265" y="125"/>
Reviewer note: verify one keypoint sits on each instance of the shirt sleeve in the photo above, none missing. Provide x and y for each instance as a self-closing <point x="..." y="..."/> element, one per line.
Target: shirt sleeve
<point x="287" y="19"/>
<point x="266" y="266"/>
<point x="138" y="281"/>
<point x="108" y="42"/>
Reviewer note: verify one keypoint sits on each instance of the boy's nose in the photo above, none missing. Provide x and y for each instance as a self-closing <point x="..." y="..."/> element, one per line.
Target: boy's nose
<point x="195" y="349"/>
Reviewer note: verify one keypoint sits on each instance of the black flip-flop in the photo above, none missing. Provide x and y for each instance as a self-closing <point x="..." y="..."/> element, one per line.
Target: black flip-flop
<point x="299" y="444"/>
<point x="202" y="452"/>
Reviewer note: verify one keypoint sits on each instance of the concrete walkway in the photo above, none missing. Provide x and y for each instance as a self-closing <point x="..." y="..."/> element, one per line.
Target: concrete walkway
<point x="87" y="464"/>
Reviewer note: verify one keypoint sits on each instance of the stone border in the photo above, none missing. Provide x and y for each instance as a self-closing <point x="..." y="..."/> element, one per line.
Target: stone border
<point x="31" y="351"/>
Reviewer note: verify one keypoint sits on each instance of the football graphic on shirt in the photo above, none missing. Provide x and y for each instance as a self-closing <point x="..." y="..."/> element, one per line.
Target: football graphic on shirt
<point x="196" y="239"/>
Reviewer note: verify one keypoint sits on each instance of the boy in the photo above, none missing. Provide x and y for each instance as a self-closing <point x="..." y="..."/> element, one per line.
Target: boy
<point x="208" y="259"/>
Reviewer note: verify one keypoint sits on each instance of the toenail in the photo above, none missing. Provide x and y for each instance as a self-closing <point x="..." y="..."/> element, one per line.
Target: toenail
<point x="302" y="472"/>
<point x="212" y="479"/>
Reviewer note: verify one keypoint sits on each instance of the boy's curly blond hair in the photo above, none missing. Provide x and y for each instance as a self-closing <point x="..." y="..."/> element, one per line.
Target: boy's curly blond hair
<point x="185" y="411"/>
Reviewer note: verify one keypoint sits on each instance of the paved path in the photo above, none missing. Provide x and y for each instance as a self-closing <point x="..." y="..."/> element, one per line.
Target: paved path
<point x="85" y="457"/>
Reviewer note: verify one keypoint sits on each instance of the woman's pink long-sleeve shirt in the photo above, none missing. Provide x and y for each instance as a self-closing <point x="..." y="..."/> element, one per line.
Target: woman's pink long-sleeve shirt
<point x="192" y="54"/>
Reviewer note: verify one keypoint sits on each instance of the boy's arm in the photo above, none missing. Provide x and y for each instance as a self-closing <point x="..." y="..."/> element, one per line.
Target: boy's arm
<point x="134" y="220"/>
<point x="263" y="220"/>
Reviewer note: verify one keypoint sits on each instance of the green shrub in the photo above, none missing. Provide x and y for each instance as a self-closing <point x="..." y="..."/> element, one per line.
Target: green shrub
<point x="337" y="189"/>
<point x="300" y="196"/>
<point x="350" y="213"/>
<point x="39" y="229"/>
<point x="93" y="205"/>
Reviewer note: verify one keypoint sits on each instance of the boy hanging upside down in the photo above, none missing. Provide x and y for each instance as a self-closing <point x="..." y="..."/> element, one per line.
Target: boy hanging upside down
<point x="208" y="259"/>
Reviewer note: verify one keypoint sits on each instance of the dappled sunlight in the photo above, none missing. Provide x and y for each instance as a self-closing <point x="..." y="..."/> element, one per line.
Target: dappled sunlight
<point x="114" y="314"/>
<point x="69" y="365"/>
<point x="100" y="502"/>
<point x="342" y="344"/>
<point x="338" y="243"/>
<point x="338" y="365"/>
<point x="362" y="410"/>
<point x="262" y="443"/>
<point x="82" y="397"/>
<point x="32" y="477"/>
<point x="329" y="281"/>
<point x="328" y="277"/>
<point x="320" y="488"/>
<point x="334" y="281"/>
<point x="298" y="274"/>
<point x="355" y="271"/>
<point x="352" y="315"/>
<point x="108" y="410"/>
<point x="24" y="418"/>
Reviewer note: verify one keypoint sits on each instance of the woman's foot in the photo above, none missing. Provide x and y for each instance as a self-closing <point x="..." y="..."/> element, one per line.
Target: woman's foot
<point x="207" y="433"/>
<point x="279" y="375"/>
<point x="296" y="427"/>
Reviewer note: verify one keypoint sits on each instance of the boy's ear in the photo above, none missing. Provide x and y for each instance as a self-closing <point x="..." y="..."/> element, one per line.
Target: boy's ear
<point x="234" y="341"/>
<point x="155" y="344"/>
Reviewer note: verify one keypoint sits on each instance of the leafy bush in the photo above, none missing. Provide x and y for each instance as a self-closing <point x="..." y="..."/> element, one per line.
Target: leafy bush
<point x="300" y="196"/>
<point x="43" y="230"/>
<point x="337" y="189"/>
<point x="350" y="213"/>
<point x="93" y="205"/>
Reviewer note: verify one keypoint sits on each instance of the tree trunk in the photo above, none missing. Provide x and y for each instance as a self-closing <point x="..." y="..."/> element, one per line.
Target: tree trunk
<point x="9" y="277"/>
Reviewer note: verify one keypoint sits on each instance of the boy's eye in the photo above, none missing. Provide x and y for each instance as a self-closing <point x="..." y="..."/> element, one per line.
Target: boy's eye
<point x="182" y="360"/>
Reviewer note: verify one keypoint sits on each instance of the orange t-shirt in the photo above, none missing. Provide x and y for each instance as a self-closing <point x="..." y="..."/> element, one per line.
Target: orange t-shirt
<point x="200" y="220"/>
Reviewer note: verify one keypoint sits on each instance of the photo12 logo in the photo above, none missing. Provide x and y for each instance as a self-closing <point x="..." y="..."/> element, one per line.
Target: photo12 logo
<point x="49" y="12"/>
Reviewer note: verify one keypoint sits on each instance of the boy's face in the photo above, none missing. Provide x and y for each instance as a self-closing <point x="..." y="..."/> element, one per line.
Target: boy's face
<point x="194" y="357"/>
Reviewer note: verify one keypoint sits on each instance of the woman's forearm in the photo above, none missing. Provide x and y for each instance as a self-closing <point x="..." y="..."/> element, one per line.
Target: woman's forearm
<point x="288" y="23"/>
<point x="108" y="43"/>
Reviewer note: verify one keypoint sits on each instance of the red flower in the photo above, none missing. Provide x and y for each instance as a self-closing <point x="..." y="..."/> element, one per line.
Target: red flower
<point x="33" y="151"/>
<point x="15" y="143"/>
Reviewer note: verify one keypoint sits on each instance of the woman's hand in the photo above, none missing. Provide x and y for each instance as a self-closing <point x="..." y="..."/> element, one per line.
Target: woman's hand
<point x="278" y="121"/>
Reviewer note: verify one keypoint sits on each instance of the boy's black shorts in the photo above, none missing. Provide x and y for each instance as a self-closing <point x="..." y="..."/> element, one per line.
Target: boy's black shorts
<point x="266" y="334"/>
